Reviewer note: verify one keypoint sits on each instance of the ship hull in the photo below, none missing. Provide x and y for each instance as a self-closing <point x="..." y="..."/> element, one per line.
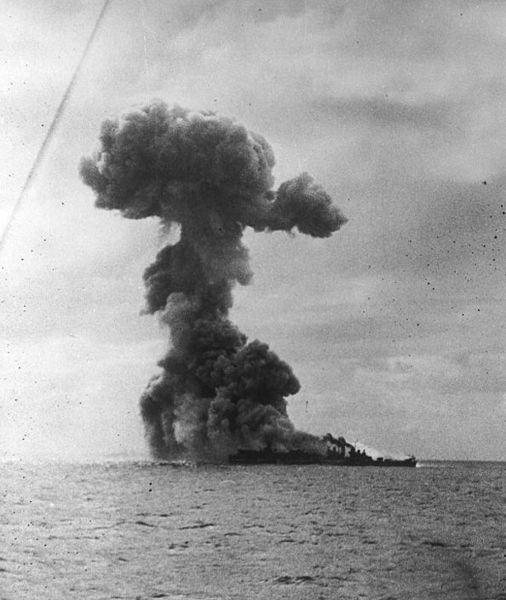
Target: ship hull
<point x="268" y="457"/>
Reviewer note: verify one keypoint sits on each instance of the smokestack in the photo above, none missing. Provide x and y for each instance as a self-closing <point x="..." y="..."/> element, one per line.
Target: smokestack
<point x="217" y="392"/>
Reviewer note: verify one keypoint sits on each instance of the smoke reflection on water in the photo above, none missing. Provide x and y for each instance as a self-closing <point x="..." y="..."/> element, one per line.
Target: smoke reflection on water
<point x="143" y="530"/>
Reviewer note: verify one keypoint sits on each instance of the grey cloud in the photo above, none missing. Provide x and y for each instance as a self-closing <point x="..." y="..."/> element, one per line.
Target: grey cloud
<point x="189" y="14"/>
<point x="426" y="229"/>
<point x="454" y="226"/>
<point x="382" y="111"/>
<point x="454" y="374"/>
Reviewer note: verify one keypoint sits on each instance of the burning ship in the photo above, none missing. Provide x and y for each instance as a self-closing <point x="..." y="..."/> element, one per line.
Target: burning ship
<point x="339" y="452"/>
<point x="218" y="396"/>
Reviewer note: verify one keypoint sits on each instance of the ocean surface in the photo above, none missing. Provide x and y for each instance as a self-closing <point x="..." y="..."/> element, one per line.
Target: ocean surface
<point x="147" y="530"/>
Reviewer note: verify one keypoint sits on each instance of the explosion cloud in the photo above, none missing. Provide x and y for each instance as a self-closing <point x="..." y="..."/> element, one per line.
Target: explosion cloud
<point x="213" y="177"/>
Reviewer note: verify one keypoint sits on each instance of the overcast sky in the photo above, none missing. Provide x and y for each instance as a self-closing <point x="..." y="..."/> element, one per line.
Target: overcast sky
<point x="394" y="326"/>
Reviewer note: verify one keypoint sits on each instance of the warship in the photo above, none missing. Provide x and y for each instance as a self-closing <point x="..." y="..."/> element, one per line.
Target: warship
<point x="338" y="452"/>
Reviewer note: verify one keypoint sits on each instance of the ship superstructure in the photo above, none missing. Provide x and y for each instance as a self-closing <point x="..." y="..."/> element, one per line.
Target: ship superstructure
<point x="339" y="452"/>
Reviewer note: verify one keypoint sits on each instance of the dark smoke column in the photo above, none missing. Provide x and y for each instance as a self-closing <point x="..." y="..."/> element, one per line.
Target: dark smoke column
<point x="213" y="177"/>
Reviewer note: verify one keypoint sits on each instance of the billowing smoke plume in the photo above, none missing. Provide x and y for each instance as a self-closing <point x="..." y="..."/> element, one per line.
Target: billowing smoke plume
<point x="213" y="177"/>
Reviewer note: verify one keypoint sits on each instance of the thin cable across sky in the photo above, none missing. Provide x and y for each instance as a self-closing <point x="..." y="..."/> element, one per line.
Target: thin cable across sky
<point x="54" y="124"/>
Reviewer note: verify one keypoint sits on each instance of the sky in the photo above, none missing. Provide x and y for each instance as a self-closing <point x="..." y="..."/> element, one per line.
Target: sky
<point x="394" y="326"/>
